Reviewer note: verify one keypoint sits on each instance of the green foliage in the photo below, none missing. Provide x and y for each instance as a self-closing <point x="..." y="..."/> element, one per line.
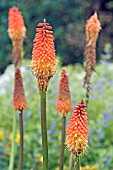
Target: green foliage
<point x="100" y="114"/>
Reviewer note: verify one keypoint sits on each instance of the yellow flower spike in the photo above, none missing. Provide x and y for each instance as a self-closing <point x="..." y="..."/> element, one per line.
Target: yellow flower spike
<point x="77" y="131"/>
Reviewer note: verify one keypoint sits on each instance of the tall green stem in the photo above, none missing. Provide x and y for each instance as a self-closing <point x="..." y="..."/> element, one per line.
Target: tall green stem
<point x="44" y="130"/>
<point x="11" y="163"/>
<point x="87" y="94"/>
<point x="88" y="89"/>
<point x="21" y="140"/>
<point x="62" y="142"/>
<point x="77" y="163"/>
<point x="71" y="161"/>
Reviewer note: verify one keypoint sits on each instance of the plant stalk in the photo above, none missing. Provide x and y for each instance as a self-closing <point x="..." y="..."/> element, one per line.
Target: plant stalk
<point x="62" y="142"/>
<point x="11" y="163"/>
<point x="21" y="140"/>
<point x="71" y="161"/>
<point x="88" y="89"/>
<point x="44" y="130"/>
<point x="77" y="163"/>
<point x="87" y="94"/>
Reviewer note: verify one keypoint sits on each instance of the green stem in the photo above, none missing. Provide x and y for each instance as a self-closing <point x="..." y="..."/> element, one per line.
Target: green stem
<point x="21" y="140"/>
<point x="88" y="89"/>
<point x="62" y="142"/>
<point x="71" y="161"/>
<point x="87" y="94"/>
<point x="11" y="163"/>
<point x="77" y="163"/>
<point x="44" y="130"/>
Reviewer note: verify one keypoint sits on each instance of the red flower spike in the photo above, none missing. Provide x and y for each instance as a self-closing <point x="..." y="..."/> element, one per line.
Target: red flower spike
<point x="17" y="30"/>
<point x="19" y="99"/>
<point x="64" y="103"/>
<point x="16" y="27"/>
<point x="77" y="131"/>
<point x="43" y="55"/>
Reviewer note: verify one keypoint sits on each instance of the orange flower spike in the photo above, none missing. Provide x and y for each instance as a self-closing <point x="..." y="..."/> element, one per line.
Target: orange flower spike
<point x="43" y="55"/>
<point x="64" y="103"/>
<point x="16" y="27"/>
<point x="17" y="30"/>
<point x="77" y="131"/>
<point x="93" y="27"/>
<point x="19" y="99"/>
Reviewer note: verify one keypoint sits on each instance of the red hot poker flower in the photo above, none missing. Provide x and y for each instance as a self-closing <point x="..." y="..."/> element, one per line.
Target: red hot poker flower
<point x="92" y="30"/>
<point x="93" y="27"/>
<point x="43" y="55"/>
<point x="19" y="99"/>
<point x="17" y="30"/>
<point x="77" y="130"/>
<point x="16" y="27"/>
<point x="64" y="103"/>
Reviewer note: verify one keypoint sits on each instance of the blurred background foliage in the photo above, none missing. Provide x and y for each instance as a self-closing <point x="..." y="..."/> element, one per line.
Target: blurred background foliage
<point x="68" y="21"/>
